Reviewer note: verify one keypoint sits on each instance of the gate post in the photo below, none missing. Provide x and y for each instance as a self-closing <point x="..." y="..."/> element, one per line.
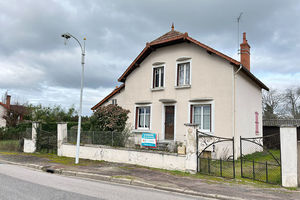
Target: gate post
<point x="30" y="145"/>
<point x="62" y="134"/>
<point x="288" y="150"/>
<point x="191" y="149"/>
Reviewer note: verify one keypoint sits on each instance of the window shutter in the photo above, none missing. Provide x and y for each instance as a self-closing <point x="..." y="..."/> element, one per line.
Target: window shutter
<point x="191" y="114"/>
<point x="136" y="117"/>
<point x="177" y="75"/>
<point x="153" y="80"/>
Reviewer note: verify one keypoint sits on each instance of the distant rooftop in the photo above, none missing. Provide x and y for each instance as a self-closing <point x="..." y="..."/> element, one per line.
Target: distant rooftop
<point x="281" y="122"/>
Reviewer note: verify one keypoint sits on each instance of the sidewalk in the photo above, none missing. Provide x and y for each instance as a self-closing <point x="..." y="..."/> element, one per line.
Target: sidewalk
<point x="207" y="186"/>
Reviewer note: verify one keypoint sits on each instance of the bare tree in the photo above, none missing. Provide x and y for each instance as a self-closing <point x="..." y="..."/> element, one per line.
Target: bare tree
<point x="292" y="101"/>
<point x="271" y="104"/>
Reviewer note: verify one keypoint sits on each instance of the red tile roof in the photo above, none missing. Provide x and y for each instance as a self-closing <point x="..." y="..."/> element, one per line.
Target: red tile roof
<point x="174" y="37"/>
<point x="108" y="97"/>
<point x="4" y="105"/>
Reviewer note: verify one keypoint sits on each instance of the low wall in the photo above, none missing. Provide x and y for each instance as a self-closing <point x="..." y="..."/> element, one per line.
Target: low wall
<point x="150" y="159"/>
<point x="299" y="163"/>
<point x="29" y="146"/>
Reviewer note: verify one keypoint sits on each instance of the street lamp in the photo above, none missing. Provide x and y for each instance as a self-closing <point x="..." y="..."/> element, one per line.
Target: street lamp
<point x="68" y="36"/>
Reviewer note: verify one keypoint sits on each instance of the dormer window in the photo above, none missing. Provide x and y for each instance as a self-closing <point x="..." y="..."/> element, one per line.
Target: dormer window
<point x="183" y="74"/>
<point x="158" y="77"/>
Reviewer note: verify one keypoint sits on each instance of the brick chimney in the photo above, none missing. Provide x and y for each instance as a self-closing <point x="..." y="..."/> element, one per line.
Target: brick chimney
<point x="245" y="52"/>
<point x="8" y="101"/>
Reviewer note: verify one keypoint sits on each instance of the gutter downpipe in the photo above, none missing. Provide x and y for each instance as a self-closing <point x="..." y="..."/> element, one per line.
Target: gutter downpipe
<point x="233" y="104"/>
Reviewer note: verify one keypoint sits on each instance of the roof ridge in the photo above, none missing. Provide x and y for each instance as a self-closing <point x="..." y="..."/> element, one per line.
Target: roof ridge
<point x="168" y="35"/>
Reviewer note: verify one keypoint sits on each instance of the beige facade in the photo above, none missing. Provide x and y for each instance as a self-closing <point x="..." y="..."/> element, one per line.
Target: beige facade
<point x="211" y="82"/>
<point x="232" y="93"/>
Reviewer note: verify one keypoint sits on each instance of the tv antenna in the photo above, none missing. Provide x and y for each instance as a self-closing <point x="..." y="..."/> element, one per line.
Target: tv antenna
<point x="238" y="31"/>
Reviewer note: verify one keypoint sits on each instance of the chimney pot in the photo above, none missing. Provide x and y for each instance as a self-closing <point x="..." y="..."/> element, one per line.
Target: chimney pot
<point x="8" y="101"/>
<point x="245" y="52"/>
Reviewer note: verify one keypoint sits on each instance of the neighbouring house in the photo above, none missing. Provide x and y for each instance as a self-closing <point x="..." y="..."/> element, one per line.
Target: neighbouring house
<point x="272" y="127"/>
<point x="6" y="107"/>
<point x="177" y="80"/>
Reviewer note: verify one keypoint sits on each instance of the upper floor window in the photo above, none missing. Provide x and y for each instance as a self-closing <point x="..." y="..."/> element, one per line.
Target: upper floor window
<point x="158" y="77"/>
<point x="142" y="120"/>
<point x="183" y="74"/>
<point x="114" y="102"/>
<point x="201" y="115"/>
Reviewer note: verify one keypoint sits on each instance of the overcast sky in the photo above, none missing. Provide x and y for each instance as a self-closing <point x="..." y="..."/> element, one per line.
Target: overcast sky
<point x="36" y="67"/>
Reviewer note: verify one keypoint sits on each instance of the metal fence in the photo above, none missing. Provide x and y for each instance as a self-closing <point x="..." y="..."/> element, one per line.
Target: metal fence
<point x="108" y="138"/>
<point x="46" y="141"/>
<point x="260" y="158"/>
<point x="222" y="168"/>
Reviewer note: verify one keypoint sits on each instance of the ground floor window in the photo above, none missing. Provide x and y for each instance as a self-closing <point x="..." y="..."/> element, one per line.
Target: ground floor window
<point x="142" y="120"/>
<point x="201" y="114"/>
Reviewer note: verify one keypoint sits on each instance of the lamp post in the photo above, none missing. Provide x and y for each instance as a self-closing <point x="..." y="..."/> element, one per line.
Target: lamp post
<point x="68" y="36"/>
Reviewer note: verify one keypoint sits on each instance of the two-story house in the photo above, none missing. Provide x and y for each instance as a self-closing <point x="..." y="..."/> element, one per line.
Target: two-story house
<point x="177" y="80"/>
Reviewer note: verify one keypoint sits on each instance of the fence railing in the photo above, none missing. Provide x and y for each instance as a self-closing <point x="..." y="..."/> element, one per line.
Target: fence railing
<point x="108" y="138"/>
<point x="217" y="167"/>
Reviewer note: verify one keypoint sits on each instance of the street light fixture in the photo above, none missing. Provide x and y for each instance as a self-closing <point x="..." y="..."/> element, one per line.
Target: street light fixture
<point x="68" y="36"/>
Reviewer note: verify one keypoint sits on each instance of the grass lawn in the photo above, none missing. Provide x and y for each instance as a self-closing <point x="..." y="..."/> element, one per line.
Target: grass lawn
<point x="9" y="145"/>
<point x="264" y="168"/>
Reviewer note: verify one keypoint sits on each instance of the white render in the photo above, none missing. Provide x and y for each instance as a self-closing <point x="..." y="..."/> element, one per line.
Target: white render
<point x="288" y="149"/>
<point x="234" y="98"/>
<point x="2" y="114"/>
<point x="62" y="133"/>
<point x="30" y="144"/>
<point x="298" y="163"/>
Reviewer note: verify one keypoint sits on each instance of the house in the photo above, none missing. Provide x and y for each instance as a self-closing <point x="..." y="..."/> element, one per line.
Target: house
<point x="177" y="80"/>
<point x="6" y="107"/>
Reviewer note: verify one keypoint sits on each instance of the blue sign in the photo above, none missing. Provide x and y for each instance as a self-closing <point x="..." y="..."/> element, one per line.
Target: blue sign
<point x="149" y="140"/>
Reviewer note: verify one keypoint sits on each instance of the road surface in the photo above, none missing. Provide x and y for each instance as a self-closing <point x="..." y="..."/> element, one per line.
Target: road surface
<point x="20" y="183"/>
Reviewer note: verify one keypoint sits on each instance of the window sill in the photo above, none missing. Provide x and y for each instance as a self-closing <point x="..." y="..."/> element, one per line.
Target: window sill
<point x="141" y="130"/>
<point x="182" y="86"/>
<point x="157" y="89"/>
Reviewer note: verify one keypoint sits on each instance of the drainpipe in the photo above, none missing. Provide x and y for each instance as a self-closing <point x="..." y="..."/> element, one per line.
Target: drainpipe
<point x="233" y="102"/>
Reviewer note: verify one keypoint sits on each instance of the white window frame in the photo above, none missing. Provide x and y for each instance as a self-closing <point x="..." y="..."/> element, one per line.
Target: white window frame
<point x="182" y="61"/>
<point x="152" y="76"/>
<point x="136" y="117"/>
<point x="212" y="115"/>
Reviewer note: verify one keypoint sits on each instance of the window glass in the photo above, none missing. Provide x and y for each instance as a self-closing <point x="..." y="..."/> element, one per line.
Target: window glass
<point x="187" y="73"/>
<point x="183" y="74"/>
<point x="143" y="117"/>
<point x="206" y="117"/>
<point x="158" y="77"/>
<point x="202" y="116"/>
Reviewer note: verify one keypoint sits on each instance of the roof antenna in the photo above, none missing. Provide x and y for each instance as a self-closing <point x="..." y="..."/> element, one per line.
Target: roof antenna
<point x="172" y="27"/>
<point x="238" y="31"/>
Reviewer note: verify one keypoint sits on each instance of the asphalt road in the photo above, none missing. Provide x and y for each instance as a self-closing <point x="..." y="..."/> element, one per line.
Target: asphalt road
<point x="19" y="183"/>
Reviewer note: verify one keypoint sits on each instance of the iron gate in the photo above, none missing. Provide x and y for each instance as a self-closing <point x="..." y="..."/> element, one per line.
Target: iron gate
<point x="46" y="141"/>
<point x="210" y="160"/>
<point x="260" y="158"/>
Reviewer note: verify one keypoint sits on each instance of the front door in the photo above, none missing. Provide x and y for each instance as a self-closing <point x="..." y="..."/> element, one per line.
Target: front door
<point x="169" y="122"/>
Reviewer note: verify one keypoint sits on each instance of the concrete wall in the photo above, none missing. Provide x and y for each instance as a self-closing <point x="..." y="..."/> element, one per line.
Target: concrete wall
<point x="299" y="163"/>
<point x="288" y="150"/>
<point x="2" y="113"/>
<point x="149" y="159"/>
<point x="30" y="145"/>
<point x="162" y="160"/>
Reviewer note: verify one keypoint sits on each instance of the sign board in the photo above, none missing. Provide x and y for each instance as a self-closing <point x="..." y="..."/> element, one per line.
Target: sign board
<point x="149" y="140"/>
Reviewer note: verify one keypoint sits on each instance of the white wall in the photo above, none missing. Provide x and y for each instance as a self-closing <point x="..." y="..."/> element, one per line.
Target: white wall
<point x="2" y="113"/>
<point x="211" y="77"/>
<point x="248" y="100"/>
<point x="288" y="151"/>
